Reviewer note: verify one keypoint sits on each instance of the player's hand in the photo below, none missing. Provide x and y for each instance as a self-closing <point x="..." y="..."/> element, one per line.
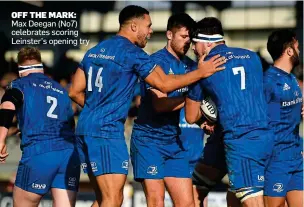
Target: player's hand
<point x="3" y="152"/>
<point x="208" y="127"/>
<point x="211" y="66"/>
<point x="302" y="111"/>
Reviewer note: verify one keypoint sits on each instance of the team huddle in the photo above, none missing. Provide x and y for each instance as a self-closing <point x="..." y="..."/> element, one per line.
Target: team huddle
<point x="254" y="138"/>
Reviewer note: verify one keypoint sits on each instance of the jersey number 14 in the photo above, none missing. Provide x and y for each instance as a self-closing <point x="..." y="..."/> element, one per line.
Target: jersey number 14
<point x="98" y="80"/>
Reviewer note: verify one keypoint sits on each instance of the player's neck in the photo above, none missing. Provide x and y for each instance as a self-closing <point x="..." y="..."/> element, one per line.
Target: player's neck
<point x="213" y="45"/>
<point x="126" y="34"/>
<point x="29" y="72"/>
<point x="172" y="51"/>
<point x="284" y="65"/>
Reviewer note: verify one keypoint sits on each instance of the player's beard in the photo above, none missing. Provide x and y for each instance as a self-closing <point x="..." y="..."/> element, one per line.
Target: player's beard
<point x="295" y="59"/>
<point x="180" y="50"/>
<point x="142" y="40"/>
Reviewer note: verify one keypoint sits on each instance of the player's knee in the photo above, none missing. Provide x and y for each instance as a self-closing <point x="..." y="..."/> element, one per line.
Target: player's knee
<point x="244" y="194"/>
<point x="112" y="196"/>
<point x="112" y="201"/>
<point x="155" y="200"/>
<point x="185" y="202"/>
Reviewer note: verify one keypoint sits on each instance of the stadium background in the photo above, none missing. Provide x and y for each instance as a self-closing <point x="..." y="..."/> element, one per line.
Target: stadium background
<point x="246" y="24"/>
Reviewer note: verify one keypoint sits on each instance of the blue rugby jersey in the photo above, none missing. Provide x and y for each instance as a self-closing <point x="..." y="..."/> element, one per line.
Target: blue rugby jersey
<point x="284" y="98"/>
<point x="237" y="91"/>
<point x="46" y="115"/>
<point x="162" y="126"/>
<point x="112" y="69"/>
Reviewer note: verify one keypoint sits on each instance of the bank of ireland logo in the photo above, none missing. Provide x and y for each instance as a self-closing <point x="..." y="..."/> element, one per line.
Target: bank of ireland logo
<point x="278" y="187"/>
<point x="152" y="170"/>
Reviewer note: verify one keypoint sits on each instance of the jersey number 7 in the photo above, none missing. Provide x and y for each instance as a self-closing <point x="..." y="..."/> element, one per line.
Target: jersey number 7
<point x="236" y="71"/>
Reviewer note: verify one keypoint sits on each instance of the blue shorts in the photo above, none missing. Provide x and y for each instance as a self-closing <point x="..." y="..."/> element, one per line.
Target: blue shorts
<point x="283" y="176"/>
<point x="100" y="156"/>
<point x="56" y="169"/>
<point x="152" y="160"/>
<point x="246" y="158"/>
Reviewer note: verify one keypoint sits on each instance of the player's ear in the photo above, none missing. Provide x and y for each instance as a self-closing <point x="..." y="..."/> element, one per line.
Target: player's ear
<point x="209" y="44"/>
<point x="134" y="26"/>
<point x="169" y="35"/>
<point x="289" y="51"/>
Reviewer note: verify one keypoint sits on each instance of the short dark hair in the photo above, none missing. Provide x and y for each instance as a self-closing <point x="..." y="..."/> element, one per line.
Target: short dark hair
<point x="130" y="12"/>
<point x="28" y="53"/>
<point x="279" y="41"/>
<point x="179" y="20"/>
<point x="208" y="26"/>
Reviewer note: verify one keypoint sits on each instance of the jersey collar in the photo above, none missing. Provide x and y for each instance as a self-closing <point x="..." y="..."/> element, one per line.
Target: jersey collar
<point x="218" y="48"/>
<point x="279" y="71"/>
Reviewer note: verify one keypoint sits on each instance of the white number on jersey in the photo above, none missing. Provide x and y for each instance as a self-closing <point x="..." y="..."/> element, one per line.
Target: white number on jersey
<point x="98" y="80"/>
<point x="236" y="71"/>
<point x="53" y="101"/>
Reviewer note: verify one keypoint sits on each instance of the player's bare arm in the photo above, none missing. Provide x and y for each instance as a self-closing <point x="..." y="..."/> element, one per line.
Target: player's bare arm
<point x="167" y="83"/>
<point x="192" y="110"/>
<point x="77" y="89"/>
<point x="163" y="103"/>
<point x="7" y="112"/>
<point x="193" y="115"/>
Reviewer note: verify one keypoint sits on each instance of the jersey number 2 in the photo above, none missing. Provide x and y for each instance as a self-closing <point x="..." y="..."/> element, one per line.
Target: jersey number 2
<point x="236" y="71"/>
<point x="98" y="81"/>
<point x="53" y="101"/>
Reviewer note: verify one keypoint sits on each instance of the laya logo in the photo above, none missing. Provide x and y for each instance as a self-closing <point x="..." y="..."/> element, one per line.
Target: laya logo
<point x="152" y="170"/>
<point x="278" y="187"/>
<point x="38" y="186"/>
